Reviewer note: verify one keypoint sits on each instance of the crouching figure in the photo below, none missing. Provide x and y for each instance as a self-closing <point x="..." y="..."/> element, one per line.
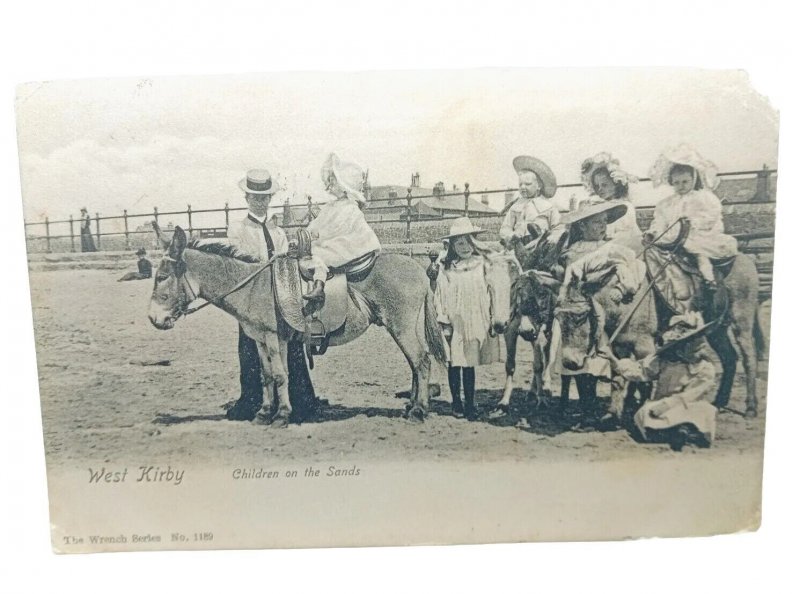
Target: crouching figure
<point x="680" y="411"/>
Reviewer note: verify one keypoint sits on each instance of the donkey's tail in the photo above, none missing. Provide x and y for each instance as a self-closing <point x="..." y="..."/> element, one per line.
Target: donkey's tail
<point x="433" y="334"/>
<point x="759" y="339"/>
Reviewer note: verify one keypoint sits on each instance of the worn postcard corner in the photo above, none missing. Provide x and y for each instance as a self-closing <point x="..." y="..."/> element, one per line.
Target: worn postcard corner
<point x="396" y="308"/>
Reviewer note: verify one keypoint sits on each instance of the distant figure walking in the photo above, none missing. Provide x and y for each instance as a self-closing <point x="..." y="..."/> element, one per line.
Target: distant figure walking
<point x="87" y="241"/>
<point x="145" y="268"/>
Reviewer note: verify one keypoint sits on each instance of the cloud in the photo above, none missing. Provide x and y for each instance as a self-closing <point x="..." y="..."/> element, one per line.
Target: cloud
<point x="124" y="144"/>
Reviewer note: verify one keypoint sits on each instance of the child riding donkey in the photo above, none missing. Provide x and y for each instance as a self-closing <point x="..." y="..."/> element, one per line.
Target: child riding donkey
<point x="692" y="177"/>
<point x="340" y="233"/>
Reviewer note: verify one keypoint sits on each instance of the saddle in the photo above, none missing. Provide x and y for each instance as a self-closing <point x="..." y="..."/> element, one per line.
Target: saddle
<point x="681" y="287"/>
<point x="688" y="263"/>
<point x="317" y="324"/>
<point x="355" y="270"/>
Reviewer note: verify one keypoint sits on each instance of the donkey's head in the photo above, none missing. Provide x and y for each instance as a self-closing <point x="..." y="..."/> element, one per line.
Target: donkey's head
<point x="579" y="314"/>
<point x="171" y="292"/>
<point x="502" y="270"/>
<point x="533" y="299"/>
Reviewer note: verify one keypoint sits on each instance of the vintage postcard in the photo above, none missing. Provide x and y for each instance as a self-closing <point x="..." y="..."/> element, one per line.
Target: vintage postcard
<point x="397" y="308"/>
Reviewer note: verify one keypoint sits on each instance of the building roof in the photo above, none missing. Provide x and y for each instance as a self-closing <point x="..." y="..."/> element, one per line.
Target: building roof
<point x="423" y="201"/>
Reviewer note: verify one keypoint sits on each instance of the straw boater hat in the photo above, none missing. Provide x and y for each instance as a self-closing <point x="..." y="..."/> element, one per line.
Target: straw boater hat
<point x="607" y="162"/>
<point x="682" y="328"/>
<point x="683" y="154"/>
<point x="462" y="226"/>
<point x="348" y="176"/>
<point x="543" y="172"/>
<point x="258" y="181"/>
<point x="614" y="209"/>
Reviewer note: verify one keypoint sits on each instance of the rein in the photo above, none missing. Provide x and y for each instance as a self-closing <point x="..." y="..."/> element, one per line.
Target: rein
<point x="239" y="285"/>
<point x="672" y="252"/>
<point x="594" y="316"/>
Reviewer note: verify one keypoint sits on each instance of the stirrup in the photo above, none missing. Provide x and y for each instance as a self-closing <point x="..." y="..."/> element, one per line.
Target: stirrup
<point x="316" y="337"/>
<point x="317" y="294"/>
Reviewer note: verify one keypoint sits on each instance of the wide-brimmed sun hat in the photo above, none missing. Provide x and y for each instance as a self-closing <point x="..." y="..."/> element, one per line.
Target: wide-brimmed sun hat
<point x="348" y="176"/>
<point x="683" y="154"/>
<point x="614" y="209"/>
<point x="682" y="328"/>
<point x="540" y="168"/>
<point x="258" y="181"/>
<point x="462" y="226"/>
<point x="604" y="161"/>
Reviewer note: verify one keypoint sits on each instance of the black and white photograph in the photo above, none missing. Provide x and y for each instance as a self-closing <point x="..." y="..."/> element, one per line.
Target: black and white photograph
<point x="434" y="307"/>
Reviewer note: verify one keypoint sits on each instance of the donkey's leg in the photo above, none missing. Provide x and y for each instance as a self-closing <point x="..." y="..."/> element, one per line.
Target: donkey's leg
<point x="721" y="344"/>
<point x="250" y="381"/>
<point x="743" y="333"/>
<point x="510" y="336"/>
<point x="409" y="336"/>
<point x="540" y="393"/>
<point x="269" y="406"/>
<point x="564" y="401"/>
<point x="274" y="360"/>
<point x="619" y="392"/>
<point x="279" y="348"/>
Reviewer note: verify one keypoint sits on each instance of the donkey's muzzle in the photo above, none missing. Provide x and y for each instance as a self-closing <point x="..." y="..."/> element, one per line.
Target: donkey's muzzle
<point x="165" y="323"/>
<point x="499" y="327"/>
<point x="572" y="360"/>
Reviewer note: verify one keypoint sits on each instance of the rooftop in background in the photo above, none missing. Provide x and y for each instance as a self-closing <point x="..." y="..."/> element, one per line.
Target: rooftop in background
<point x="391" y="201"/>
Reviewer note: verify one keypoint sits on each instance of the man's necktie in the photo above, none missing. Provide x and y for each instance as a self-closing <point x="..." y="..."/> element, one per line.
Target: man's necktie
<point x="267" y="236"/>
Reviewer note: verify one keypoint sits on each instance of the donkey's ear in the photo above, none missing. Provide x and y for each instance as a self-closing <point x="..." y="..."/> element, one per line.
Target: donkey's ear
<point x="561" y="242"/>
<point x="545" y="279"/>
<point x="160" y="235"/>
<point x="597" y="279"/>
<point x="178" y="244"/>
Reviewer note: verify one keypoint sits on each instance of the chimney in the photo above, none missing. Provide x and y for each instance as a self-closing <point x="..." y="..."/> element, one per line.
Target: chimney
<point x="762" y="186"/>
<point x="415" y="180"/>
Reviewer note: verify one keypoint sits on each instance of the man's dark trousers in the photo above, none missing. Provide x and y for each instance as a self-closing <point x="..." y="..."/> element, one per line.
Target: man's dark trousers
<point x="301" y="390"/>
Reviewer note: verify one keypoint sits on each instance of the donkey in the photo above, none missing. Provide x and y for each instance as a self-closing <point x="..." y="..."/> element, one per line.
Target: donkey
<point x="394" y="295"/>
<point x="590" y="308"/>
<point x="533" y="296"/>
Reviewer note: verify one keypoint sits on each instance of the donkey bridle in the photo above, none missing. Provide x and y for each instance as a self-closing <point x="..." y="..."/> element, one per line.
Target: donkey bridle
<point x="180" y="274"/>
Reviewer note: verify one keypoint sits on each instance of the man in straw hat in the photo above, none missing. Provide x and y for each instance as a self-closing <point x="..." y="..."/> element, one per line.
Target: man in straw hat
<point x="258" y="236"/>
<point x="533" y="213"/>
<point x="340" y="233"/>
<point x="680" y="410"/>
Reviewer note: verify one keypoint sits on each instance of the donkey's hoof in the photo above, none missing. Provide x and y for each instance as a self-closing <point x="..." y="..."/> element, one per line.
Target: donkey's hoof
<point x="280" y="421"/>
<point x="416" y="414"/>
<point x="500" y="411"/>
<point x="263" y="417"/>
<point x="751" y="413"/>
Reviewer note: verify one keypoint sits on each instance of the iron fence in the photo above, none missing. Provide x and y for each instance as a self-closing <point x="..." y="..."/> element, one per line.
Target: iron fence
<point x="400" y="210"/>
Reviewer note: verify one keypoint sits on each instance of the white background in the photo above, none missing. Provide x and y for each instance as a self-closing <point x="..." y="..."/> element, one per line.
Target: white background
<point x="79" y="39"/>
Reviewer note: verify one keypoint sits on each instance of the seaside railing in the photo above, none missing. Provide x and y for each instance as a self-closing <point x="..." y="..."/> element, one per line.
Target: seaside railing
<point x="398" y="209"/>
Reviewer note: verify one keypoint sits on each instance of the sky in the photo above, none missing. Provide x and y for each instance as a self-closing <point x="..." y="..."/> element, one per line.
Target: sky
<point x="114" y="144"/>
